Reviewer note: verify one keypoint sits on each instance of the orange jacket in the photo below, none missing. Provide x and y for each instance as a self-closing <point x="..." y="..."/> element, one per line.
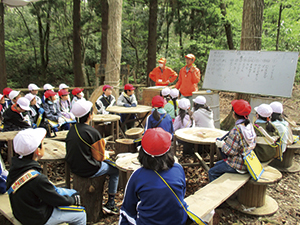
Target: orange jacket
<point x="188" y="82"/>
<point x="162" y="78"/>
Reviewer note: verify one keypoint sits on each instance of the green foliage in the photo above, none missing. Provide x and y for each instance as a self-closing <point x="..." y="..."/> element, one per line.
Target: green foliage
<point x="184" y="26"/>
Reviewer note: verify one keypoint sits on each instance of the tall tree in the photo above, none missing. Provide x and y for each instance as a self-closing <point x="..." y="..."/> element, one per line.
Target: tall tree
<point x="77" y="68"/>
<point x="250" y="40"/>
<point x="114" y="47"/>
<point x="152" y="32"/>
<point x="3" y="79"/>
<point x="227" y="26"/>
<point x="104" y="27"/>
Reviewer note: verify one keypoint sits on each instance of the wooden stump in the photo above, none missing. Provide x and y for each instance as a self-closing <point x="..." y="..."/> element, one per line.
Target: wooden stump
<point x="134" y="133"/>
<point x="91" y="193"/>
<point x="125" y="145"/>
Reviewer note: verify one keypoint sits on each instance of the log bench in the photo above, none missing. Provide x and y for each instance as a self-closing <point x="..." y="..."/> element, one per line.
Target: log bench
<point x="91" y="195"/>
<point x="6" y="211"/>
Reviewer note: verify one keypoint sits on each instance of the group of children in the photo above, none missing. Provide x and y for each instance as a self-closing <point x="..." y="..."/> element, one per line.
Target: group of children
<point x="52" y="111"/>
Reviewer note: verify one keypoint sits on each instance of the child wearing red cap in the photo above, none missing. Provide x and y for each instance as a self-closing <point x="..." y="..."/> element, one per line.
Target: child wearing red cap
<point x="127" y="99"/>
<point x="78" y="94"/>
<point x="147" y="199"/>
<point x="105" y="100"/>
<point x="159" y="117"/>
<point x="65" y="104"/>
<point x="240" y="139"/>
<point x="52" y="111"/>
<point x="263" y="151"/>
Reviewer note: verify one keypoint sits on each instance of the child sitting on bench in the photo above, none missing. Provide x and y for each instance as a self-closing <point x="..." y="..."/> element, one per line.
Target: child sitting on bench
<point x="147" y="198"/>
<point x="240" y="139"/>
<point x="33" y="199"/>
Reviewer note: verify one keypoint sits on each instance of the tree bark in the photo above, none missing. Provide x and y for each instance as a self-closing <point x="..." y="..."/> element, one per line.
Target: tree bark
<point x="77" y="61"/>
<point x="104" y="27"/>
<point x="152" y="32"/>
<point x="114" y="47"/>
<point x="3" y="78"/>
<point x="250" y="40"/>
<point x="278" y="26"/>
<point x="227" y="26"/>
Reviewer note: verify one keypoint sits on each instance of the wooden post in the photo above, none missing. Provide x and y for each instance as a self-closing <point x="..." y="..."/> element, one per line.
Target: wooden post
<point x="91" y="193"/>
<point x="125" y="145"/>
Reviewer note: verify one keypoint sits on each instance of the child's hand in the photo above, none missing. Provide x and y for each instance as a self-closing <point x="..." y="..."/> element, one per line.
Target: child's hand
<point x="219" y="143"/>
<point x="127" y="105"/>
<point x="133" y="105"/>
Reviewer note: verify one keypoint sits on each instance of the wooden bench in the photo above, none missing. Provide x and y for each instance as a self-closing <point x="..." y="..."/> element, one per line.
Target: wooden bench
<point x="5" y="209"/>
<point x="203" y="201"/>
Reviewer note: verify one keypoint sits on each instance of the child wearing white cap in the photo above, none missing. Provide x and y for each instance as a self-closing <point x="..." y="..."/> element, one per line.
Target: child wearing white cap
<point x="14" y="96"/>
<point x="35" y="109"/>
<point x="79" y="154"/>
<point x="33" y="199"/>
<point x="281" y="125"/>
<point x="172" y="105"/>
<point x="203" y="115"/>
<point x="13" y="118"/>
<point x="165" y="93"/>
<point x="34" y="89"/>
<point x="185" y="120"/>
<point x="263" y="151"/>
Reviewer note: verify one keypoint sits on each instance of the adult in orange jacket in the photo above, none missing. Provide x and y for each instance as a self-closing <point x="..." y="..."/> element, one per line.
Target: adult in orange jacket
<point x="162" y="75"/>
<point x="189" y="77"/>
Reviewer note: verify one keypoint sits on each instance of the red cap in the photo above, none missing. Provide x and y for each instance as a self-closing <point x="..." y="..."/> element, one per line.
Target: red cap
<point x="241" y="107"/>
<point x="6" y="91"/>
<point x="128" y="87"/>
<point x="156" y="141"/>
<point x="63" y="92"/>
<point x="158" y="101"/>
<point x="76" y="91"/>
<point x="106" y="86"/>
<point x="49" y="93"/>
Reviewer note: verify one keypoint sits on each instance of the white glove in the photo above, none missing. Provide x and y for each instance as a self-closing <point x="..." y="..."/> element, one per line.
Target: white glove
<point x="219" y="143"/>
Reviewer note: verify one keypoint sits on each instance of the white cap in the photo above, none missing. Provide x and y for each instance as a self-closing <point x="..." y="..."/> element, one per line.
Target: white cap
<point x="184" y="103"/>
<point x="29" y="96"/>
<point x="201" y="100"/>
<point x="174" y="93"/>
<point x="13" y="94"/>
<point x="32" y="87"/>
<point x="165" y="91"/>
<point x="81" y="108"/>
<point x="24" y="103"/>
<point x="62" y="86"/>
<point x="48" y="87"/>
<point x="264" y="110"/>
<point x="27" y="141"/>
<point x="277" y="107"/>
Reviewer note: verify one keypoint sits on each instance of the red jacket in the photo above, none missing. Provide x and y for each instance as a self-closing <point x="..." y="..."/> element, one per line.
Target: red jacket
<point x="163" y="78"/>
<point x="188" y="82"/>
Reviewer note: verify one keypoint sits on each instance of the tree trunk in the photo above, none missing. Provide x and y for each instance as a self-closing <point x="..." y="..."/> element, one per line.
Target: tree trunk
<point x="278" y="26"/>
<point x="3" y="78"/>
<point x="152" y="32"/>
<point x="114" y="47"/>
<point x="250" y="40"/>
<point x="179" y="29"/>
<point x="104" y="26"/>
<point x="227" y="26"/>
<point x="77" y="68"/>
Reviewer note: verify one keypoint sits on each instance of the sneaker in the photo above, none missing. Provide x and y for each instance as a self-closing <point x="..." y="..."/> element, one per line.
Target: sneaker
<point x="111" y="208"/>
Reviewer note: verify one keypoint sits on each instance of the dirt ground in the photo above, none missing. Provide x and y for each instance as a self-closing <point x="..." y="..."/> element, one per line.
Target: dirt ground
<point x="286" y="192"/>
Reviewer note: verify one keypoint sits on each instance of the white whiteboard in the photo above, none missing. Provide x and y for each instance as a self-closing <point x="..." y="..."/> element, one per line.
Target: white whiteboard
<point x="251" y="72"/>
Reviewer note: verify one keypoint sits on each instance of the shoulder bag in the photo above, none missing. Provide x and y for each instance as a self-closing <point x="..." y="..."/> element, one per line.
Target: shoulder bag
<point x="251" y="161"/>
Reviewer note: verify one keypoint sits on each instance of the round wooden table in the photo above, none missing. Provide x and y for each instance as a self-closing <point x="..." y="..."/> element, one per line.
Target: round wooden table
<point x="200" y="135"/>
<point x="8" y="136"/>
<point x="104" y="118"/>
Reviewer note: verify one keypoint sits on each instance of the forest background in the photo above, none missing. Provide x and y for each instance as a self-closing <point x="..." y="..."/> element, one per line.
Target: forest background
<point x="38" y="37"/>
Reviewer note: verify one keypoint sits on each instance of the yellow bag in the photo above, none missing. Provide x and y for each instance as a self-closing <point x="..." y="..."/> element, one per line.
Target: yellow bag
<point x="253" y="164"/>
